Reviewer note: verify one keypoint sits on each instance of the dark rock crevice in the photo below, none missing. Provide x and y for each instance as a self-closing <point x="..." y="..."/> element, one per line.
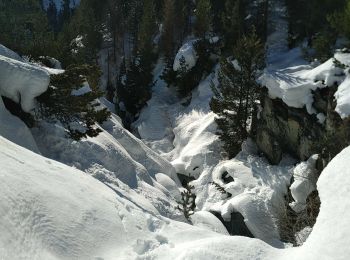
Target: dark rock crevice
<point x="236" y="226"/>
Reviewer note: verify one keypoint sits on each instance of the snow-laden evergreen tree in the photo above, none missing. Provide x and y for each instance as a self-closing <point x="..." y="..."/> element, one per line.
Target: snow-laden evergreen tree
<point x="71" y="102"/>
<point x="235" y="98"/>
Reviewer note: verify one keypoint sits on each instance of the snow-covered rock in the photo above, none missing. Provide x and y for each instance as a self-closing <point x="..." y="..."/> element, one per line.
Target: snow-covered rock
<point x="22" y="82"/>
<point x="294" y="85"/>
<point x="188" y="52"/>
<point x="304" y="183"/>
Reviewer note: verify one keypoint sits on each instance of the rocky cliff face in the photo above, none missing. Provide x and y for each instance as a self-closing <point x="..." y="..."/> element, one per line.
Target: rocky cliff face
<point x="282" y="129"/>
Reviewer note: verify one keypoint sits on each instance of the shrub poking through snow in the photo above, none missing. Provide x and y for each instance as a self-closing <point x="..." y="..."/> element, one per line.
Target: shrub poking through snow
<point x="292" y="224"/>
<point x="71" y="101"/>
<point x="221" y="189"/>
<point x="187" y="203"/>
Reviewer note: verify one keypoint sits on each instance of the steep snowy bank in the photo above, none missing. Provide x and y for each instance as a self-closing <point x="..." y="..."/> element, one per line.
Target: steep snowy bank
<point x="52" y="211"/>
<point x="114" y="156"/>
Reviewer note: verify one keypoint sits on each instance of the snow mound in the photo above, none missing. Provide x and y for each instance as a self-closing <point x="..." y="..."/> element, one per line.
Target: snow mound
<point x="256" y="191"/>
<point x="22" y="82"/>
<point x="188" y="52"/>
<point x="195" y="143"/>
<point x="208" y="221"/>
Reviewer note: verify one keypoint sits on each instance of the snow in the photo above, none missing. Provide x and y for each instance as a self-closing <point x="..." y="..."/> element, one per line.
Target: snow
<point x="82" y="91"/>
<point x="13" y="129"/>
<point x="22" y="82"/>
<point x="208" y="221"/>
<point x="304" y="183"/>
<point x="51" y="210"/>
<point x="291" y="79"/>
<point x="114" y="156"/>
<point x="82" y="218"/>
<point x="186" y="136"/>
<point x="330" y="237"/>
<point x="343" y="98"/>
<point x="9" y="53"/>
<point x="294" y="85"/>
<point x="188" y="52"/>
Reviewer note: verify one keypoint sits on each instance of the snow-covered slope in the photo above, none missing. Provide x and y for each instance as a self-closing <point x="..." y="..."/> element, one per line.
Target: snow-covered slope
<point x="115" y="157"/>
<point x="51" y="211"/>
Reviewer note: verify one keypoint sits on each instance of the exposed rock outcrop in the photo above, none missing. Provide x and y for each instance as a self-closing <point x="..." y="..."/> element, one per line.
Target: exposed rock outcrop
<point x="282" y="129"/>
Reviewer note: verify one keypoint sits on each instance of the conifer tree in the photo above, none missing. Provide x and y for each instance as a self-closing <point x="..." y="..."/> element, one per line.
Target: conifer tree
<point x="233" y="21"/>
<point x="147" y="27"/>
<point x="24" y="27"/>
<point x="131" y="89"/>
<point x="77" y="112"/>
<point x="340" y="20"/>
<point x="168" y="40"/>
<point x="235" y="97"/>
<point x="203" y="18"/>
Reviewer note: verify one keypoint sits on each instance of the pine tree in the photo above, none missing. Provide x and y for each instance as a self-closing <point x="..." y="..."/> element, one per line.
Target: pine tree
<point x="131" y="89"/>
<point x="78" y="113"/>
<point x="24" y="27"/>
<point x="147" y="27"/>
<point x="235" y="98"/>
<point x="168" y="39"/>
<point x="340" y="20"/>
<point x="233" y="21"/>
<point x="52" y="16"/>
<point x="187" y="204"/>
<point x="203" y="18"/>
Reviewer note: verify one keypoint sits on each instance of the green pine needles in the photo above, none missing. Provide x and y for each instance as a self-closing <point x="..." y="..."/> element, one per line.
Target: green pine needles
<point x="77" y="112"/>
<point x="236" y="96"/>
